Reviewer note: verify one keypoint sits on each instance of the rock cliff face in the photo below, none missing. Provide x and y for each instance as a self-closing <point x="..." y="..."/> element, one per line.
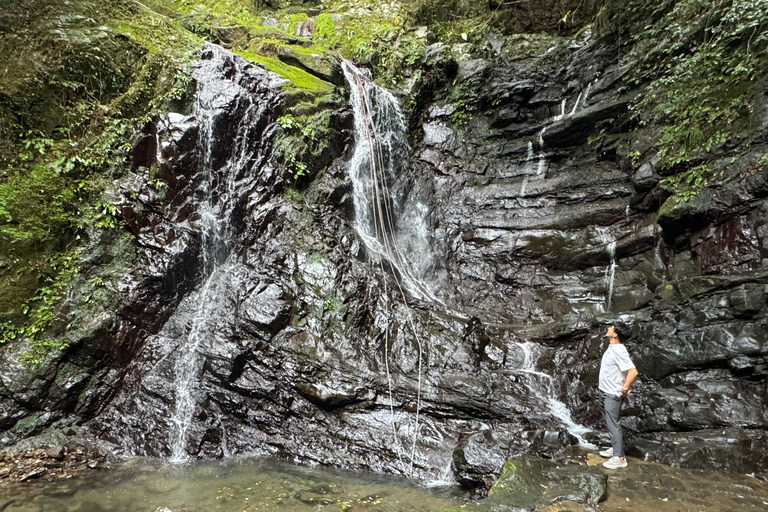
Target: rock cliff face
<point x="275" y="330"/>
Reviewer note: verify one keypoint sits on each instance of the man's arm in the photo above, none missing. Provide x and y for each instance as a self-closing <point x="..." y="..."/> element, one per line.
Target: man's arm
<point x="631" y="376"/>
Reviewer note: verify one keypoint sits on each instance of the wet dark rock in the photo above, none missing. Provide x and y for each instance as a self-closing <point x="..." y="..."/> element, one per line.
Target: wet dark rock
<point x="476" y="460"/>
<point x="736" y="450"/>
<point x="540" y="240"/>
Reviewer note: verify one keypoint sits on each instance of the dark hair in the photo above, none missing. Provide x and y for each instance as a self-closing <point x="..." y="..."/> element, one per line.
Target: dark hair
<point x="623" y="331"/>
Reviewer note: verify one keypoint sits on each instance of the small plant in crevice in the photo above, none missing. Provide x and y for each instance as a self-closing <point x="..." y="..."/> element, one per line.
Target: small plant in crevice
<point x="602" y="128"/>
<point x="108" y="215"/>
<point x="295" y="168"/>
<point x="686" y="184"/>
<point x="332" y="303"/>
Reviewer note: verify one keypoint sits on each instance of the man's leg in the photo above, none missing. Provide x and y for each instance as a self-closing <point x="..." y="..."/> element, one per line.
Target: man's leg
<point x="611" y="414"/>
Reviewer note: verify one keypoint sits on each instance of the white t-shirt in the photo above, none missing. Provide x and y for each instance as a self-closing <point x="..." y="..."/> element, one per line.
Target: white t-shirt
<point x="613" y="368"/>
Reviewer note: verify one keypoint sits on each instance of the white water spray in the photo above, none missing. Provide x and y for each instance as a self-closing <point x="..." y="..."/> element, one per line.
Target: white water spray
<point x="545" y="391"/>
<point x="216" y="194"/>
<point x="610" y="274"/>
<point x="390" y="224"/>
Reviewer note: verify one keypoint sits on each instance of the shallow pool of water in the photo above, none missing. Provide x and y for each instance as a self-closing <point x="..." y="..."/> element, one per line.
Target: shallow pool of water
<point x="237" y="485"/>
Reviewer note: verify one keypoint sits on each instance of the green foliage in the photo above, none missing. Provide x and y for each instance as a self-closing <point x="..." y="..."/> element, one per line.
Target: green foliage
<point x="181" y="85"/>
<point x="686" y="184"/>
<point x="287" y="121"/>
<point x="43" y="308"/>
<point x="82" y="76"/>
<point x="462" y="112"/>
<point x="475" y="18"/>
<point x="37" y="206"/>
<point x="702" y="55"/>
<point x="303" y="143"/>
<point x="35" y="144"/>
<point x="295" y="168"/>
<point x="463" y="100"/>
<point x="602" y="128"/>
<point x="108" y="215"/>
<point x="295" y="19"/>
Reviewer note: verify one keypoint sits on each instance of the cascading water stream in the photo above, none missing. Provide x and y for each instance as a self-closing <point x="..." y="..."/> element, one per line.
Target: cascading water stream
<point x="380" y="147"/>
<point x="546" y="393"/>
<point x="213" y="225"/>
<point x="216" y="196"/>
<point x="392" y="228"/>
<point x="610" y="274"/>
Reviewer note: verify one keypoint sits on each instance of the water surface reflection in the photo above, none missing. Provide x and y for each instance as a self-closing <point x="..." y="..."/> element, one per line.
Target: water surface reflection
<point x="240" y="484"/>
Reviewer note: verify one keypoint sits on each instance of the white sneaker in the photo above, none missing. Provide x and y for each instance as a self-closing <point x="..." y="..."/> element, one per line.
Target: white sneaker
<point x="608" y="452"/>
<point x="615" y="463"/>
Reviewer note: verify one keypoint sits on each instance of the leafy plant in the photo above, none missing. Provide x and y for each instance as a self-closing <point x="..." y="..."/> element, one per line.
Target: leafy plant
<point x="296" y="168"/>
<point x="43" y="307"/>
<point x="686" y="184"/>
<point x="108" y="216"/>
<point x="287" y="121"/>
<point x="597" y="138"/>
<point x="705" y="54"/>
<point x="35" y="144"/>
<point x="181" y="85"/>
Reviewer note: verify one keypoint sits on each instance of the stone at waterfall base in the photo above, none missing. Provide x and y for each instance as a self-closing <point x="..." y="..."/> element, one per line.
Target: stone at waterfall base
<point x="53" y="455"/>
<point x="527" y="483"/>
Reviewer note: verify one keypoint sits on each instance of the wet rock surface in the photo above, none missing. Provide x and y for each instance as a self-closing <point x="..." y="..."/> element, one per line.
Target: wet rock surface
<point x="649" y="486"/>
<point x="56" y="454"/>
<point x="528" y="483"/>
<point x="310" y="353"/>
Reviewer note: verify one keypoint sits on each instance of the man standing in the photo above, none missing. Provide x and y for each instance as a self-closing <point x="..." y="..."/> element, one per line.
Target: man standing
<point x="617" y="373"/>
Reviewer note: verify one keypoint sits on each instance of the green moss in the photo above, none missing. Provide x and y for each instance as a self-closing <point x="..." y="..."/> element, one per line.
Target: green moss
<point x="66" y="123"/>
<point x="325" y="28"/>
<point x="295" y="19"/>
<point x="298" y="77"/>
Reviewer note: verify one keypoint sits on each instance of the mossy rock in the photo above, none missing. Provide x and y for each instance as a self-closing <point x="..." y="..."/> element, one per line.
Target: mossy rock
<point x="527" y="483"/>
<point x="298" y="78"/>
<point x="320" y="64"/>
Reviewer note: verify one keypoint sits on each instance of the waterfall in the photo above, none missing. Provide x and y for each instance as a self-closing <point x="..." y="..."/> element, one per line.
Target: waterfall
<point x="396" y="230"/>
<point x="391" y="224"/>
<point x="214" y="194"/>
<point x="610" y="274"/>
<point x="544" y="390"/>
<point x="215" y="200"/>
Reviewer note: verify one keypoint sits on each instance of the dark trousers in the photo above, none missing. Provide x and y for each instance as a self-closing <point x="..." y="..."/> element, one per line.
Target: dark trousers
<point x="611" y="407"/>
